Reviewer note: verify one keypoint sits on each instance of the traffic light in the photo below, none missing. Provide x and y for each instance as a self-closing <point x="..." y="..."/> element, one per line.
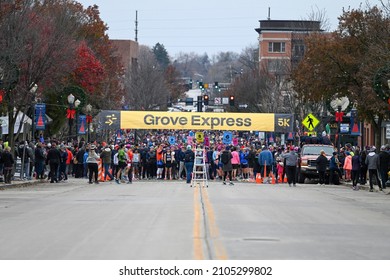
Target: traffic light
<point x="216" y="85"/>
<point x="199" y="104"/>
<point x="231" y="100"/>
<point x="206" y="100"/>
<point x="201" y="85"/>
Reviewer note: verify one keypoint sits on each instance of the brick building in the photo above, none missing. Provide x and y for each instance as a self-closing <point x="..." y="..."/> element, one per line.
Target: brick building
<point x="281" y="43"/>
<point x="128" y="51"/>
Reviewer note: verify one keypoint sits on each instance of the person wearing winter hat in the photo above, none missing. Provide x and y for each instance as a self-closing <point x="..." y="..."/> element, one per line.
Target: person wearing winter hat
<point x="92" y="163"/>
<point x="372" y="161"/>
<point x="189" y="157"/>
<point x="291" y="166"/>
<point x="106" y="161"/>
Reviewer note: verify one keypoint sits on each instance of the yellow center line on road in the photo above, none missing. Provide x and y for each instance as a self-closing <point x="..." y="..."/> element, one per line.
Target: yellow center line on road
<point x="207" y="238"/>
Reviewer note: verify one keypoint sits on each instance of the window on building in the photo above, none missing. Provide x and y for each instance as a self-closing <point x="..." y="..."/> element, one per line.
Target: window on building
<point x="277" y="47"/>
<point x="298" y="50"/>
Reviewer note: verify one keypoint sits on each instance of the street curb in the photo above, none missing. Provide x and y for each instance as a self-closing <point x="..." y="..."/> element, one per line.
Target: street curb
<point x="19" y="184"/>
<point x="367" y="188"/>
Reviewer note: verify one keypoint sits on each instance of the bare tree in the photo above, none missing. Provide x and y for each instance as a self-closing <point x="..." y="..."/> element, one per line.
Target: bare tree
<point x="145" y="84"/>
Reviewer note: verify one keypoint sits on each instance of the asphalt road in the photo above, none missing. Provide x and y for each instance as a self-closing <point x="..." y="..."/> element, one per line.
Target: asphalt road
<point x="170" y="220"/>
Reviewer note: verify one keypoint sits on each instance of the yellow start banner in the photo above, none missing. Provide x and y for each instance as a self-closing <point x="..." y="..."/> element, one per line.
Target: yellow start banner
<point x="206" y="121"/>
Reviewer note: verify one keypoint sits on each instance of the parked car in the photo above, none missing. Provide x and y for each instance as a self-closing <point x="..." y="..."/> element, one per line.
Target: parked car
<point x="309" y="154"/>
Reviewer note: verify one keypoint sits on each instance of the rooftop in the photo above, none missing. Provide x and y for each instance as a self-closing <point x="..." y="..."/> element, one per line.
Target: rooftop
<point x="289" y="25"/>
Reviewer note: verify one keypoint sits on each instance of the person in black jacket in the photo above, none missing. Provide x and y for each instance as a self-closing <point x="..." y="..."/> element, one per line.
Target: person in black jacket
<point x="53" y="159"/>
<point x="322" y="163"/>
<point x="8" y="160"/>
<point x="384" y="162"/>
<point x="39" y="161"/>
<point x="79" y="171"/>
<point x="189" y="157"/>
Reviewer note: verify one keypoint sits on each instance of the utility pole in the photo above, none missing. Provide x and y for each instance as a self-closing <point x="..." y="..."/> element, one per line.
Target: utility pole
<point x="136" y="26"/>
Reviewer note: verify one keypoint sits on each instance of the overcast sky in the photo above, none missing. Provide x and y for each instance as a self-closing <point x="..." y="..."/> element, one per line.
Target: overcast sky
<point x="204" y="25"/>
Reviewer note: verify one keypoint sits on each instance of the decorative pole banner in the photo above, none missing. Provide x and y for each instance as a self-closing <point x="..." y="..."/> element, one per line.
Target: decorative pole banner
<point x="355" y="125"/>
<point x="271" y="138"/>
<point x="82" y="124"/>
<point x="40" y="116"/>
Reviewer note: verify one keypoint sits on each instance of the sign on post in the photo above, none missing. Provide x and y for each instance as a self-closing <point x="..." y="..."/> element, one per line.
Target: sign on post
<point x="172" y="140"/>
<point x="227" y="137"/>
<point x="388" y="131"/>
<point x="310" y="122"/>
<point x="199" y="135"/>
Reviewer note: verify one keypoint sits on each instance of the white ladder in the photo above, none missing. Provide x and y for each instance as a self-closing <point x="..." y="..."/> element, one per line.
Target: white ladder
<point x="199" y="173"/>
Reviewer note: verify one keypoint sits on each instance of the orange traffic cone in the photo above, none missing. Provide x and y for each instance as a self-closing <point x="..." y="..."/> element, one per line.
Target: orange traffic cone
<point x="285" y="179"/>
<point x="100" y="171"/>
<point x="259" y="180"/>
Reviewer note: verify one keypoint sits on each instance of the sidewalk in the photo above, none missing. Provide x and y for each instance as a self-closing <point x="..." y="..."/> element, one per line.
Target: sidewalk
<point x="366" y="187"/>
<point x="19" y="184"/>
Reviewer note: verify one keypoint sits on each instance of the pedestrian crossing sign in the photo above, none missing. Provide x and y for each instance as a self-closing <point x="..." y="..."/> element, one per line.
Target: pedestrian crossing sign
<point x="310" y="122"/>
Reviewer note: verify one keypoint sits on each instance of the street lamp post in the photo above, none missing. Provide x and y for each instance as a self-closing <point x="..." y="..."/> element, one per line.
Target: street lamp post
<point x="89" y="120"/>
<point x="33" y="90"/>
<point x="339" y="118"/>
<point x="71" y="113"/>
<point x="76" y="105"/>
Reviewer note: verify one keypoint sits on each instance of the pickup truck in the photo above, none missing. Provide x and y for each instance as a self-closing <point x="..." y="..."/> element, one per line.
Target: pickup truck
<point x="309" y="154"/>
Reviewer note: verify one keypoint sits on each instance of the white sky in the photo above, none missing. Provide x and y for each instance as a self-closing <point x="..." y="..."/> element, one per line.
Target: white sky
<point x="207" y="26"/>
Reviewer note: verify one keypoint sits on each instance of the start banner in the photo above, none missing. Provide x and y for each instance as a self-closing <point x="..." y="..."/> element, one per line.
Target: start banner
<point x="206" y="121"/>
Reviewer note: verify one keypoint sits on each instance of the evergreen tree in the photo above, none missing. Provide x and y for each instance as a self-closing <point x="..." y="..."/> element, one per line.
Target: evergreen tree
<point x="161" y="55"/>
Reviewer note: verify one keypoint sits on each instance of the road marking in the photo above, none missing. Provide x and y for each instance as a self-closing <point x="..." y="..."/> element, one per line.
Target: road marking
<point x="198" y="247"/>
<point x="219" y="249"/>
<point x="206" y="233"/>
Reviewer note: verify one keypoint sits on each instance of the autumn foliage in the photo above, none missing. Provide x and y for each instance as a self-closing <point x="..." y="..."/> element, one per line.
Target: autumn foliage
<point x="345" y="63"/>
<point x="89" y="72"/>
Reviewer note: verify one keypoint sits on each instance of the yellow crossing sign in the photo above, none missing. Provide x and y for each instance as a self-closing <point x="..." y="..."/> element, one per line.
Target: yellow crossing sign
<point x="310" y="122"/>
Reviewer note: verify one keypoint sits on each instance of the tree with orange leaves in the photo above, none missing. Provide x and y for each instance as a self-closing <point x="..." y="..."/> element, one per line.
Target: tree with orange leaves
<point x="347" y="62"/>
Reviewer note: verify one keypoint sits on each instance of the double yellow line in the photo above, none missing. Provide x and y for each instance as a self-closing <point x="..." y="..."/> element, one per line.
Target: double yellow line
<point x="207" y="242"/>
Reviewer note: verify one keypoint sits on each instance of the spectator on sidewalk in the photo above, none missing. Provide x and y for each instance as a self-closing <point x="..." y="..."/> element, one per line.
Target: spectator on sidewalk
<point x="384" y="162"/>
<point x="226" y="159"/>
<point x="7" y="160"/>
<point x="189" y="158"/>
<point x="372" y="162"/>
<point x="92" y="162"/>
<point x="266" y="161"/>
<point x="39" y="161"/>
<point x="106" y="161"/>
<point x="290" y="166"/>
<point x="53" y="159"/>
<point x="356" y="166"/>
<point x="322" y="163"/>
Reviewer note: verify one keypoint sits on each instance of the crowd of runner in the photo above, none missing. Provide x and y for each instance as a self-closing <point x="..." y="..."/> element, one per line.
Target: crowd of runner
<point x="157" y="157"/>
